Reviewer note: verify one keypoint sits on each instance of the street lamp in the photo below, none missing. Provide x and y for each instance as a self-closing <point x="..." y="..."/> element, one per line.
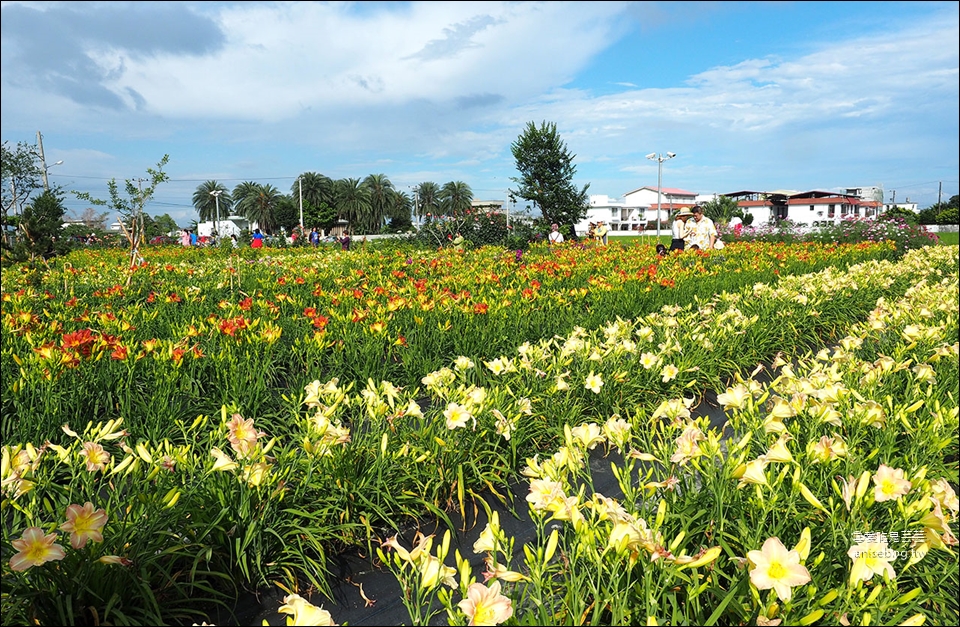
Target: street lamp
<point x="216" y="196"/>
<point x="300" y="183"/>
<point x="46" y="184"/>
<point x="660" y="159"/>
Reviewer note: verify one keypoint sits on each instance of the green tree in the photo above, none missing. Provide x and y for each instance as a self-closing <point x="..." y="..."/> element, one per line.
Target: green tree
<point x="546" y="175"/>
<point x="286" y="213"/>
<point x="400" y="212"/>
<point x="41" y="223"/>
<point x="21" y="178"/>
<point x="131" y="208"/>
<point x="381" y="201"/>
<point x="317" y="190"/>
<point x="428" y="199"/>
<point x="722" y="209"/>
<point x="455" y="198"/>
<point x="353" y="203"/>
<point x="259" y="204"/>
<point x="206" y="203"/>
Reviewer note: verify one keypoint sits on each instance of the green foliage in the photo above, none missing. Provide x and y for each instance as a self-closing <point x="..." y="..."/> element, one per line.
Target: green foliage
<point x="950" y="215"/>
<point x="40" y="227"/>
<point x="22" y="175"/>
<point x="546" y="175"/>
<point x="895" y="212"/>
<point x="722" y="209"/>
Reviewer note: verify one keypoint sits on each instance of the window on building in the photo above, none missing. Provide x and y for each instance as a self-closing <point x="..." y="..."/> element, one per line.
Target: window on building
<point x="831" y="211"/>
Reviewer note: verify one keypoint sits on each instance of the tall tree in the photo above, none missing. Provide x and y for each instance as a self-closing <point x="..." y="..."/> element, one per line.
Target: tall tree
<point x="206" y="203"/>
<point x="428" y="199"/>
<point x="259" y="206"/>
<point x="131" y="209"/>
<point x="455" y="198"/>
<point x="546" y="175"/>
<point x="40" y="224"/>
<point x="244" y="195"/>
<point x="353" y="202"/>
<point x="399" y="212"/>
<point x="21" y="178"/>
<point x="317" y="189"/>
<point x="381" y="199"/>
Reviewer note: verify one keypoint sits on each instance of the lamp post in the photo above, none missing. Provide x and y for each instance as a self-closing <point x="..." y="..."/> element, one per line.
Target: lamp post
<point x="46" y="184"/>
<point x="216" y="196"/>
<point x="660" y="159"/>
<point x="300" y="183"/>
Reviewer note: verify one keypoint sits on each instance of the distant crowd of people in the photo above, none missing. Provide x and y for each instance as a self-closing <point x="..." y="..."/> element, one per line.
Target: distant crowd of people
<point x="189" y="238"/>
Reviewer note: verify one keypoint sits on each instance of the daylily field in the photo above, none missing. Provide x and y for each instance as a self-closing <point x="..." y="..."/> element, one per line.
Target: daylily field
<point x="214" y="421"/>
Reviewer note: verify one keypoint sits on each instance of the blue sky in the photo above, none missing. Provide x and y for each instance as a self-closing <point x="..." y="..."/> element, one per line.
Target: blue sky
<point x="750" y="95"/>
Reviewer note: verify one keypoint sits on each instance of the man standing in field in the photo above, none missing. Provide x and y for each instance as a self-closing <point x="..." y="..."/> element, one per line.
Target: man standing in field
<point x="702" y="231"/>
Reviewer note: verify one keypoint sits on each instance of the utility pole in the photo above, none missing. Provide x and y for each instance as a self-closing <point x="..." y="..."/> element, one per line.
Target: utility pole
<point x="894" y="197"/>
<point x="43" y="162"/>
<point x="939" y="194"/>
<point x="300" y="181"/>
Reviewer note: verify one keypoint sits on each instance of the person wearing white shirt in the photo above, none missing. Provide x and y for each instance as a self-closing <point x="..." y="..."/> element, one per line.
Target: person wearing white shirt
<point x="555" y="237"/>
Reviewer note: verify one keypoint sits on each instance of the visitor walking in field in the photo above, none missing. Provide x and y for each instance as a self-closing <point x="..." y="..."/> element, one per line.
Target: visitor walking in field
<point x="257" y="241"/>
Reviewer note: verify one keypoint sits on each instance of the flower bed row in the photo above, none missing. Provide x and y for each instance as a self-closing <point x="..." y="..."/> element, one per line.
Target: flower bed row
<point x="179" y="339"/>
<point x="181" y="518"/>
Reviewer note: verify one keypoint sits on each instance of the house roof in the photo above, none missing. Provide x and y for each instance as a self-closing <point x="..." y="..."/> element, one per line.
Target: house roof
<point x="671" y="191"/>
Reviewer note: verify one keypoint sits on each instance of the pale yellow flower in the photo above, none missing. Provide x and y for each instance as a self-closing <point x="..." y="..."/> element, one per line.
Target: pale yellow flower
<point x="649" y="360"/>
<point x="687" y="445"/>
<point x="776" y="567"/>
<point x="433" y="572"/>
<point x="779" y="451"/>
<point x="587" y="435"/>
<point x="871" y="558"/>
<point x="95" y="457"/>
<point x="488" y="539"/>
<point x="223" y="460"/>
<point x="872" y="413"/>
<point x="828" y="449"/>
<point x="463" y="363"/>
<point x="593" y="383"/>
<point x="617" y="430"/>
<point x="242" y="435"/>
<point x="890" y="483"/>
<point x="83" y="524"/>
<point x="485" y="605"/>
<point x="944" y="494"/>
<point x="669" y="373"/>
<point x="753" y="472"/>
<point x="304" y="613"/>
<point x="34" y="548"/>
<point x="735" y="397"/>
<point x="457" y="416"/>
<point x="924" y="373"/>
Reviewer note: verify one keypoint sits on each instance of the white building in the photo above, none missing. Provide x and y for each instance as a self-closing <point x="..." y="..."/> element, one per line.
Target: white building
<point x="808" y="209"/>
<point x="637" y="211"/>
<point x="231" y="225"/>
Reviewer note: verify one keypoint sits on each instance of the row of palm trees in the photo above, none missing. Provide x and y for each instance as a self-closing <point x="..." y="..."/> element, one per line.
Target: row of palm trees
<point x="367" y="204"/>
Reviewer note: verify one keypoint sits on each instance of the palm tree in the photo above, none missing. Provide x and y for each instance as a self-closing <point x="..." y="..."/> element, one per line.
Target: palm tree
<point x="259" y="203"/>
<point x="243" y="195"/>
<point x="353" y="202"/>
<point x="381" y="199"/>
<point x="455" y="198"/>
<point x="317" y="189"/>
<point x="428" y="199"/>
<point x="399" y="210"/>
<point x="206" y="203"/>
